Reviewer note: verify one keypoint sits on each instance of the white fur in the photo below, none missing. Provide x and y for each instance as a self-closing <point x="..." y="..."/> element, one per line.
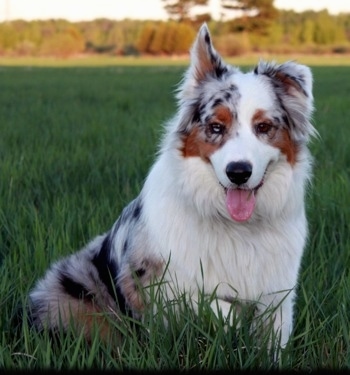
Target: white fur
<point x="259" y="258"/>
<point x="180" y="217"/>
<point x="186" y="218"/>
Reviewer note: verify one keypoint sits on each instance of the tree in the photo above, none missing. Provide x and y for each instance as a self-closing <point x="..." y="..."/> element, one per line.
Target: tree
<point x="256" y="15"/>
<point x="145" y="38"/>
<point x="180" y="9"/>
<point x="64" y="43"/>
<point x="327" y="30"/>
<point x="183" y="38"/>
<point x="307" y="31"/>
<point x="157" y="44"/>
<point x="166" y="38"/>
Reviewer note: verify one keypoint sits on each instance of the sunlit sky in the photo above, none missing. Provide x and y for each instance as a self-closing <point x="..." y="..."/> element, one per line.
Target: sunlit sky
<point x="77" y="10"/>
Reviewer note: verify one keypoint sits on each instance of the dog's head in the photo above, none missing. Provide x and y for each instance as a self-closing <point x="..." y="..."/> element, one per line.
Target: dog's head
<point x="241" y="123"/>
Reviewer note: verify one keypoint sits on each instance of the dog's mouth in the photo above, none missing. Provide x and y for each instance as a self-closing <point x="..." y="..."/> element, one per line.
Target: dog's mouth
<point x="240" y="202"/>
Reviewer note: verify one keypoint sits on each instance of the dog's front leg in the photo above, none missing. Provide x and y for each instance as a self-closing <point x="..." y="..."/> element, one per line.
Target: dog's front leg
<point x="281" y="318"/>
<point x="283" y="322"/>
<point x="227" y="310"/>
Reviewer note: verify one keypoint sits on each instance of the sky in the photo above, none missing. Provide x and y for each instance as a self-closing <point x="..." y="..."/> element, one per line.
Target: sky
<point x="78" y="10"/>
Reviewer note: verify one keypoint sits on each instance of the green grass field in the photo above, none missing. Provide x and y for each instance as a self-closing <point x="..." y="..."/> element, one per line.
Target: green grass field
<point x="76" y="144"/>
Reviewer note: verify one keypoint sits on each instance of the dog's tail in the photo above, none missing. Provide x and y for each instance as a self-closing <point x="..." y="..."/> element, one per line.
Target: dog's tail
<point x="80" y="290"/>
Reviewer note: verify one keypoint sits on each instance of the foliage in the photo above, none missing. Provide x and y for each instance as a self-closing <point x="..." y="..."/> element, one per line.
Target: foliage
<point x="232" y="44"/>
<point x="180" y="10"/>
<point x="166" y="38"/>
<point x="260" y="28"/>
<point x="254" y="15"/>
<point x="63" y="44"/>
<point x="68" y="166"/>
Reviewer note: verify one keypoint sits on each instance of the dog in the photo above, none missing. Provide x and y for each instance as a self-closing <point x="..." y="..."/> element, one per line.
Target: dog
<point x="222" y="209"/>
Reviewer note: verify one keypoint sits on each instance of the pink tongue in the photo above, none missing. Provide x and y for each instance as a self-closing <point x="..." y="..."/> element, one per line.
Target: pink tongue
<point x="240" y="203"/>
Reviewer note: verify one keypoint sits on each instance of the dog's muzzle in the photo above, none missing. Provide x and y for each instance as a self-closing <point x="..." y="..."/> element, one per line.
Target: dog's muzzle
<point x="239" y="172"/>
<point x="240" y="200"/>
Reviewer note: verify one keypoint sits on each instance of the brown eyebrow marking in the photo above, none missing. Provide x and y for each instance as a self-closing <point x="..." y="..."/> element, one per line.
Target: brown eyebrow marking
<point x="259" y="116"/>
<point x="285" y="143"/>
<point x="223" y="115"/>
<point x="195" y="145"/>
<point x="281" y="139"/>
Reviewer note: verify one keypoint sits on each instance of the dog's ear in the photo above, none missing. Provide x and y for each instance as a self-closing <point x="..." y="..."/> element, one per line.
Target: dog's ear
<point x="292" y="83"/>
<point x="206" y="63"/>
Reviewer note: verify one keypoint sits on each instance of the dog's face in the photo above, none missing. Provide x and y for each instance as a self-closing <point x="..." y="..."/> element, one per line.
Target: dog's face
<point x="241" y="123"/>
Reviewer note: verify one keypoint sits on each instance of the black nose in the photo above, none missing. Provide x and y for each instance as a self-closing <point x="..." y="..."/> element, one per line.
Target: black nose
<point x="239" y="172"/>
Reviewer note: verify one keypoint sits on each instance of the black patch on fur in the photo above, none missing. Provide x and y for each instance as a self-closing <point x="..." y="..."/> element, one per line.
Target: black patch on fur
<point x="207" y="38"/>
<point x="106" y="268"/>
<point x="220" y="69"/>
<point x="196" y="118"/>
<point x="75" y="289"/>
<point x="277" y="120"/>
<point x="286" y="120"/>
<point x="125" y="246"/>
<point x="217" y="102"/>
<point x="231" y="92"/>
<point x="227" y="95"/>
<point x="207" y="118"/>
<point x="140" y="272"/>
<point x="107" y="271"/>
<point x="137" y="210"/>
<point x="131" y="212"/>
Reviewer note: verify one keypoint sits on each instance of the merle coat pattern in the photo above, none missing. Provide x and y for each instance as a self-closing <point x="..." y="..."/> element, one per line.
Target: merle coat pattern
<point x="222" y="207"/>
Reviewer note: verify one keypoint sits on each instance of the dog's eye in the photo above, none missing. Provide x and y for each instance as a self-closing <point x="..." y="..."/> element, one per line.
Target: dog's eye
<point x="263" y="128"/>
<point x="216" y="128"/>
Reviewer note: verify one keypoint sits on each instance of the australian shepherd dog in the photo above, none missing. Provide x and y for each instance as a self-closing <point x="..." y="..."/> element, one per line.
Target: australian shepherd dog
<point x="221" y="211"/>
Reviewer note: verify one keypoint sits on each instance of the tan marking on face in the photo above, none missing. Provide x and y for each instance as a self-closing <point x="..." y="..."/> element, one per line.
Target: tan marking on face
<point x="259" y="116"/>
<point x="279" y="137"/>
<point x="284" y="142"/>
<point x="223" y="115"/>
<point x="190" y="144"/>
<point x="195" y="143"/>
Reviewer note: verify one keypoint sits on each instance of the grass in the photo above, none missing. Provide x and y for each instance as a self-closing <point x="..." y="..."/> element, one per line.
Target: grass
<point x="76" y="144"/>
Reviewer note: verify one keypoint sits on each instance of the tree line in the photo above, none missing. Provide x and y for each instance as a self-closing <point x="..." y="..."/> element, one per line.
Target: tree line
<point x="257" y="28"/>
